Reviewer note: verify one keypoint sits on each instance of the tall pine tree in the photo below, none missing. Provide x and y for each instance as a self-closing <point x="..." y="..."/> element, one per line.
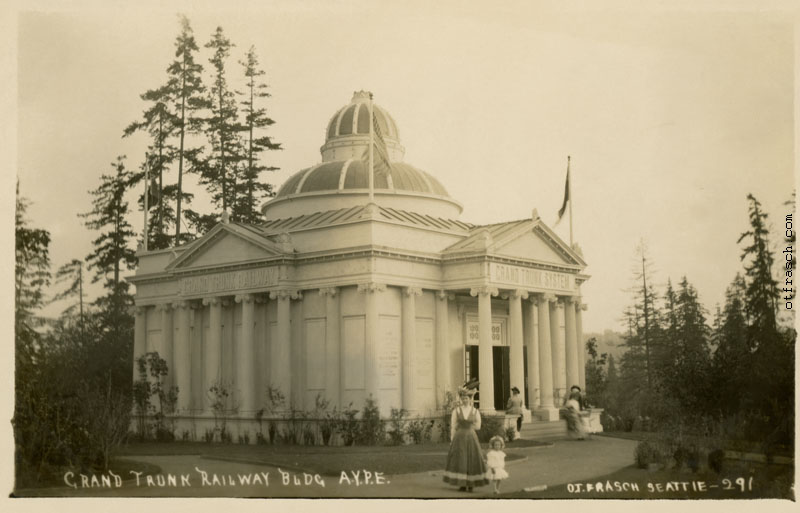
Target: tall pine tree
<point x="32" y="269"/>
<point x="112" y="250"/>
<point x="159" y="123"/>
<point x="187" y="92"/>
<point x="253" y="188"/>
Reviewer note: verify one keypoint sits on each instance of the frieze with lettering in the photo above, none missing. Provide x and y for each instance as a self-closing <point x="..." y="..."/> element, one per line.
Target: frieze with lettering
<point x="234" y="280"/>
<point x="525" y="277"/>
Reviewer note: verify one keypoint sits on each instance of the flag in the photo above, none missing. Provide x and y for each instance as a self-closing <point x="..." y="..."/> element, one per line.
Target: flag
<point x="154" y="192"/>
<point x="566" y="197"/>
<point x="383" y="166"/>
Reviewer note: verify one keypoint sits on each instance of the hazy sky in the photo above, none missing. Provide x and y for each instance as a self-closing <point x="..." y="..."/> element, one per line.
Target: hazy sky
<point x="671" y="116"/>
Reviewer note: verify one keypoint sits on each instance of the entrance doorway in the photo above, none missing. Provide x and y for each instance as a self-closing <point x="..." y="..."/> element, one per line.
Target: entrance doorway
<point x="501" y="371"/>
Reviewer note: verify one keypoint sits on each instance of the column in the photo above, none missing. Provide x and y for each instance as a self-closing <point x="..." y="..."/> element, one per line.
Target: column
<point x="547" y="411"/>
<point x="333" y="360"/>
<point x="139" y="339"/>
<point x="516" y="354"/>
<point x="408" y="344"/>
<point x="280" y="349"/>
<point x="557" y="339"/>
<point x="442" y="347"/>
<point x="372" y="329"/>
<point x="571" y="343"/>
<point x="182" y="362"/>
<point x="212" y="356"/>
<point x="579" y="308"/>
<point x="485" y="359"/>
<point x="166" y="349"/>
<point x="245" y="357"/>
<point x="532" y="342"/>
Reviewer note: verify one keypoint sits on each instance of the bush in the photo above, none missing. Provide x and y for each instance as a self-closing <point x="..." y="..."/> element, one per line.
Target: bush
<point x="397" y="423"/>
<point x="647" y="453"/>
<point x="420" y="430"/>
<point x="491" y="425"/>
<point x="372" y="431"/>
<point x="450" y="402"/>
<point x="511" y="433"/>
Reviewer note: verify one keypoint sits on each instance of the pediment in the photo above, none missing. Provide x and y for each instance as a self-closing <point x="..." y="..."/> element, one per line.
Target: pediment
<point x="227" y="244"/>
<point x="535" y="241"/>
<point x="520" y="240"/>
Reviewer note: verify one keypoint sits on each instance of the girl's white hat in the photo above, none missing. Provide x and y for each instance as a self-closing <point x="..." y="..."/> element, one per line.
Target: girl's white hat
<point x="497" y="438"/>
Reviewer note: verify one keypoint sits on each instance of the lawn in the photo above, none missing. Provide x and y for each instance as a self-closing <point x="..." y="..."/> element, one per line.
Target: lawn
<point x="738" y="480"/>
<point x="325" y="460"/>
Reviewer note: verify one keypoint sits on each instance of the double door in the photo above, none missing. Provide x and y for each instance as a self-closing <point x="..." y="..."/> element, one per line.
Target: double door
<point x="500" y="370"/>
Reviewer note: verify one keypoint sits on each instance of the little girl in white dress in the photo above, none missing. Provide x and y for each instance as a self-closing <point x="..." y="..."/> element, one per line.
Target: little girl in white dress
<point x="496" y="461"/>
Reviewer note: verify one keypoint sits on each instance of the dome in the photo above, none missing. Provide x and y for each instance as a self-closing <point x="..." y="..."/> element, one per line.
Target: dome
<point x="354" y="119"/>
<point x="342" y="178"/>
<point x="342" y="175"/>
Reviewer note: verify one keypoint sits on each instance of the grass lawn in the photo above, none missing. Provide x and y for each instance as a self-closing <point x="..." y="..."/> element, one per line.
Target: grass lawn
<point x="738" y="480"/>
<point x="323" y="460"/>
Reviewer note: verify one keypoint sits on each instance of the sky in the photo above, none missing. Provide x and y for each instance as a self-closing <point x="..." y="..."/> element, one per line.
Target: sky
<point x="671" y="113"/>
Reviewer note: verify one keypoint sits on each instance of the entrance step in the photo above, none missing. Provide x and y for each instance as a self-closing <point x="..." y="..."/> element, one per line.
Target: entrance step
<point x="540" y="430"/>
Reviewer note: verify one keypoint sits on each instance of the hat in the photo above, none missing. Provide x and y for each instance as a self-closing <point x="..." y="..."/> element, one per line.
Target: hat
<point x="463" y="391"/>
<point x="471" y="384"/>
<point x="515" y="390"/>
<point x="497" y="438"/>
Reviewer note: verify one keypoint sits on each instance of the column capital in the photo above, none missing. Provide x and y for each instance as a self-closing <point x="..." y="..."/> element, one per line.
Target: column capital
<point x="515" y="293"/>
<point x="139" y="309"/>
<point x="285" y="294"/>
<point x="560" y="303"/>
<point x="445" y="294"/>
<point x="212" y="301"/>
<point x="548" y="297"/>
<point x="180" y="305"/>
<point x="412" y="291"/>
<point x="484" y="290"/>
<point x="164" y="307"/>
<point x="261" y="298"/>
<point x="573" y="300"/>
<point x="329" y="291"/>
<point x="244" y="298"/>
<point x="371" y="287"/>
<point x="584" y="306"/>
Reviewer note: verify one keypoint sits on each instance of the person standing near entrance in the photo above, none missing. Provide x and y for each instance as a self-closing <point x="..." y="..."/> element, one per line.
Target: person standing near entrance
<point x="465" y="467"/>
<point x="514" y="407"/>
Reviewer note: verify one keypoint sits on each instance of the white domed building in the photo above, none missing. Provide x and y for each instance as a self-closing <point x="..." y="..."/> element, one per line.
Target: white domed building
<point x="345" y="295"/>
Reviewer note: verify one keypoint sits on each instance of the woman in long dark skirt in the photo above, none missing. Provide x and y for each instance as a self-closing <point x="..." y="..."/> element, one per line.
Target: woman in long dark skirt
<point x="466" y="467"/>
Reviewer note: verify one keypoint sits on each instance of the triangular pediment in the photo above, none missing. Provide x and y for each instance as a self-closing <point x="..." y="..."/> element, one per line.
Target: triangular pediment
<point x="535" y="241"/>
<point x="519" y="240"/>
<point x="227" y="244"/>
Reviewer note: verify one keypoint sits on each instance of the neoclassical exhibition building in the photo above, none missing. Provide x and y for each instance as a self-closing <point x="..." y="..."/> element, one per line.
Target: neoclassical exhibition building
<point x="342" y="297"/>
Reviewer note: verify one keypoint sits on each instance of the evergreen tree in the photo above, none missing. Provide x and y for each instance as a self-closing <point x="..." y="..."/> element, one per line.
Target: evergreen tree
<point x="160" y="124"/>
<point x="762" y="289"/>
<point x="733" y="353"/>
<point x="253" y="188"/>
<point x="187" y="93"/>
<point x="109" y="215"/>
<point x="71" y="273"/>
<point x="220" y="171"/>
<point x="32" y="269"/>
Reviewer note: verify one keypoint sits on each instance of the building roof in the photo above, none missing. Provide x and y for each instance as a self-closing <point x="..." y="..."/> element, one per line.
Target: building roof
<point x="353" y="118"/>
<point x="350" y="214"/>
<point x="353" y="174"/>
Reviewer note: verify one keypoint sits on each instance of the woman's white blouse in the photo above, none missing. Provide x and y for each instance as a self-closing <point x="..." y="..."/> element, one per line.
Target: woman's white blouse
<point x="465" y="412"/>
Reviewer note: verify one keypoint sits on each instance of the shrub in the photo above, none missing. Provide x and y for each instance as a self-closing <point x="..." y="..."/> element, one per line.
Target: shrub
<point x="398" y="426"/>
<point x="647" y="453"/>
<point x="450" y="402"/>
<point x="420" y="430"/>
<point x="511" y="433"/>
<point x="491" y="425"/>
<point x="348" y="425"/>
<point x="715" y="459"/>
<point x="371" y="431"/>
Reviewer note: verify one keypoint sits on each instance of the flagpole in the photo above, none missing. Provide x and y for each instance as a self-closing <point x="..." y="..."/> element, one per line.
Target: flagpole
<point x="146" y="194"/>
<point x="371" y="156"/>
<point x="569" y="184"/>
